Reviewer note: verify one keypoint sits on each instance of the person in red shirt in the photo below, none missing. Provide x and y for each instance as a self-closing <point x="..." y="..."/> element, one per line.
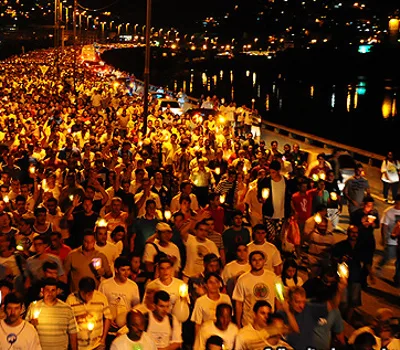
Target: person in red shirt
<point x="57" y="247"/>
<point x="302" y="205"/>
<point x="216" y="211"/>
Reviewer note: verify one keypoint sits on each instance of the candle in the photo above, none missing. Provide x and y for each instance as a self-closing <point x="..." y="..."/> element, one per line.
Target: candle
<point x="333" y="196"/>
<point x="6" y="199"/>
<point x="221" y="119"/>
<point x="183" y="290"/>
<point x="322" y="176"/>
<point x="222" y="198"/>
<point x="36" y="311"/>
<point x="20" y="247"/>
<point x="140" y="143"/>
<point x="71" y="197"/>
<point x="245" y="169"/>
<point x="167" y="214"/>
<point x="318" y="218"/>
<point x="371" y="218"/>
<point x="32" y="169"/>
<point x="90" y="326"/>
<point x="279" y="289"/>
<point x="218" y="171"/>
<point x="343" y="270"/>
<point x="265" y="193"/>
<point x="101" y="223"/>
<point x="315" y="177"/>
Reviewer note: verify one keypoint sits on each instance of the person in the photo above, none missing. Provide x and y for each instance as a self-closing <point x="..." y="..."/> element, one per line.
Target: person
<point x="197" y="247"/>
<point x="109" y="249"/>
<point x="254" y="335"/>
<point x="90" y="306"/>
<point x="274" y="261"/>
<point x="290" y="277"/>
<point x="15" y="332"/>
<point x="122" y="293"/>
<point x="57" y="247"/>
<point x="222" y="327"/>
<point x="86" y="261"/>
<point x="277" y="206"/>
<point x="55" y="323"/>
<point x="165" y="281"/>
<point x="335" y="199"/>
<point x="136" y="336"/>
<point x="215" y="237"/>
<point x="302" y="205"/>
<point x="233" y="270"/>
<point x="234" y="235"/>
<point x="214" y="343"/>
<point x="206" y="305"/>
<point x="258" y="284"/>
<point x="390" y="218"/>
<point x="355" y="189"/>
<point x="161" y="325"/>
<point x="390" y="176"/>
<point x="185" y="187"/>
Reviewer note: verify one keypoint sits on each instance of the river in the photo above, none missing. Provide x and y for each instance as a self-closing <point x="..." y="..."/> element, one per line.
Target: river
<point x="345" y="98"/>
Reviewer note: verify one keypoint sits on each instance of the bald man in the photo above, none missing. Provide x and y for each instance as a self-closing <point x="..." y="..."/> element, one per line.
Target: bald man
<point x="136" y="338"/>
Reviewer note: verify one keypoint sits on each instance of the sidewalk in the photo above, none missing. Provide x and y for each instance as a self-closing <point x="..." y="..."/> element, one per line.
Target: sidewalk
<point x="383" y="293"/>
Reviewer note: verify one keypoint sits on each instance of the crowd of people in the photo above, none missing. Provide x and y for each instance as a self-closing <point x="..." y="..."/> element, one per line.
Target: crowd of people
<point x="195" y="235"/>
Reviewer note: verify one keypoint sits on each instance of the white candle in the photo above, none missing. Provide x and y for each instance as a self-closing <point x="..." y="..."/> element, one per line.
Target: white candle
<point x="265" y="193"/>
<point x="167" y="214"/>
<point x="183" y="290"/>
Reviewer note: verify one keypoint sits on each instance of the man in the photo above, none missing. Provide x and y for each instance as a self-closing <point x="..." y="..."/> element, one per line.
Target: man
<point x="202" y="178"/>
<point x="390" y="220"/>
<point x="302" y="205"/>
<point x="233" y="270"/>
<point x="276" y="206"/>
<point x="254" y="206"/>
<point x="356" y="188"/>
<point x="33" y="269"/>
<point x="258" y="284"/>
<point x="90" y="307"/>
<point x="109" y="249"/>
<point x="17" y="333"/>
<point x="159" y="247"/>
<point x="144" y="227"/>
<point x="122" y="293"/>
<point x="216" y="211"/>
<point x="162" y="191"/>
<point x="80" y="221"/>
<point x="136" y="337"/>
<point x="273" y="260"/>
<point x="254" y="334"/>
<point x="235" y="235"/>
<point x="57" y="247"/>
<point x="216" y="237"/>
<point x="116" y="216"/>
<point x="86" y="261"/>
<point x="55" y="323"/>
<point x="367" y="220"/>
<point x="222" y="327"/>
<point x="146" y="194"/>
<point x="162" y="326"/>
<point x="197" y="247"/>
<point x="185" y="187"/>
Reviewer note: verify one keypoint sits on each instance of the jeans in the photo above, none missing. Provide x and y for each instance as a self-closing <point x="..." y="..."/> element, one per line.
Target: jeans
<point x="387" y="186"/>
<point x="388" y="254"/>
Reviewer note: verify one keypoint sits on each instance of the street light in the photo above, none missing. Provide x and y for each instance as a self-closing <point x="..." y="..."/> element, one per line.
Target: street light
<point x="111" y="23"/>
<point x="119" y="29"/>
<point x="147" y="67"/>
<point x="88" y="21"/>
<point x="143" y="28"/>
<point x="135" y="29"/>
<point x="126" y="27"/>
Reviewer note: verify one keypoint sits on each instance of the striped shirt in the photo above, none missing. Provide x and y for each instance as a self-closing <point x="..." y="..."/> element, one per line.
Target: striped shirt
<point x="55" y="323"/>
<point x="94" y="311"/>
<point x="320" y="247"/>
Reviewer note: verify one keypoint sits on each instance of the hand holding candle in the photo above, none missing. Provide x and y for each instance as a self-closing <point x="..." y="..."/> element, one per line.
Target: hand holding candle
<point x="265" y="193"/>
<point x="222" y="198"/>
<point x="280" y="291"/>
<point x="318" y="218"/>
<point x="343" y="270"/>
<point x="167" y="214"/>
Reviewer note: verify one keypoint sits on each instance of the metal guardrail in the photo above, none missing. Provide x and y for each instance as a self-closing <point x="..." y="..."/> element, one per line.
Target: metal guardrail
<point x="370" y="158"/>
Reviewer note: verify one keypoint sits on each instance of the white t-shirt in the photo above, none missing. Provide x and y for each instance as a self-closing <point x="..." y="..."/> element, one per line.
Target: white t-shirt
<point x="110" y="250"/>
<point x="272" y="255"/>
<point x="123" y="343"/>
<point x="389" y="171"/>
<point x="255" y="207"/>
<point x="22" y="337"/>
<point x="278" y="198"/>
<point x="205" y="308"/>
<point x="11" y="263"/>
<point x="172" y="289"/>
<point x="208" y="329"/>
<point x="250" y="288"/>
<point x="195" y="252"/>
<point x="390" y="216"/>
<point x="171" y="250"/>
<point x="160" y="332"/>
<point x="231" y="272"/>
<point x="121" y="297"/>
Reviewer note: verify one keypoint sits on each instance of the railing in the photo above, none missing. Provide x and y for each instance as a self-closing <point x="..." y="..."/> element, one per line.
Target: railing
<point x="370" y="158"/>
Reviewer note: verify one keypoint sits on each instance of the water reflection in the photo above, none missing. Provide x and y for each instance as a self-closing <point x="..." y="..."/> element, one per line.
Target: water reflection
<point x="389" y="105"/>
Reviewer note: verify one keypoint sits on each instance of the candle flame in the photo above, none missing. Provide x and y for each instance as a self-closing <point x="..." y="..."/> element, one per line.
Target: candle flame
<point x="315" y="177"/>
<point x="265" y="193"/>
<point x="218" y="171"/>
<point x="279" y="289"/>
<point x="90" y="325"/>
<point x="183" y="290"/>
<point x="167" y="214"/>
<point x="318" y="218"/>
<point x="222" y="198"/>
<point x="333" y="196"/>
<point x="6" y="199"/>
<point x="102" y="223"/>
<point x="343" y="270"/>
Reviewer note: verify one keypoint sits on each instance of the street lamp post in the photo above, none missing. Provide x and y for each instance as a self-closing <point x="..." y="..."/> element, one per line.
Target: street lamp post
<point x="111" y="23"/>
<point x="88" y="21"/>
<point x="135" y="29"/>
<point x="147" y="68"/>
<point x="126" y="27"/>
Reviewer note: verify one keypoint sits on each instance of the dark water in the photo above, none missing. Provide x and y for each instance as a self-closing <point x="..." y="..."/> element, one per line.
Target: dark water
<point x="348" y="98"/>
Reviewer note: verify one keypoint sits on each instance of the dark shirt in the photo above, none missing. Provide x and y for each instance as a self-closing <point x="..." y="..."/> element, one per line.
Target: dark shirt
<point x="232" y="238"/>
<point x="143" y="228"/>
<point x="164" y="194"/>
<point x="80" y="223"/>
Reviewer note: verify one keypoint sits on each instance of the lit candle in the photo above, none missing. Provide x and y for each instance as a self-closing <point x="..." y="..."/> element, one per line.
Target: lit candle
<point x="20" y="247"/>
<point x="322" y="176"/>
<point x="36" y="311"/>
<point x="245" y="169"/>
<point x="218" y="171"/>
<point x="32" y="169"/>
<point x="371" y="218"/>
<point x="6" y="199"/>
<point x="333" y="196"/>
<point x="69" y="130"/>
<point x="343" y="270"/>
<point x="140" y="143"/>
<point x="265" y="193"/>
<point x="183" y="290"/>
<point x="279" y="289"/>
<point x="167" y="214"/>
<point x="222" y="198"/>
<point x="71" y="197"/>
<point x="318" y="218"/>
<point x="315" y="177"/>
<point x="200" y="120"/>
<point x="102" y="223"/>
<point x="221" y="119"/>
<point x="90" y="326"/>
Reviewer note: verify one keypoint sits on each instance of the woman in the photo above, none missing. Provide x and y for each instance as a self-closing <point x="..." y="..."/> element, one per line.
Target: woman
<point x="289" y="274"/>
<point x="241" y="190"/>
<point x="390" y="176"/>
